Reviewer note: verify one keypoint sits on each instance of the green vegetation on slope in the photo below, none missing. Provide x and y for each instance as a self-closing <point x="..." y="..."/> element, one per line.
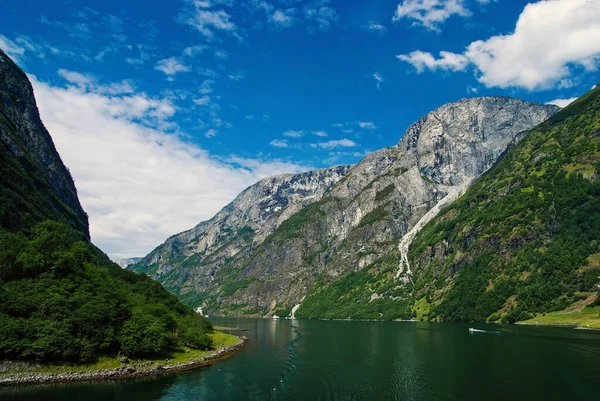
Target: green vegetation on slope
<point x="63" y="300"/>
<point x="522" y="240"/>
<point x="371" y="293"/>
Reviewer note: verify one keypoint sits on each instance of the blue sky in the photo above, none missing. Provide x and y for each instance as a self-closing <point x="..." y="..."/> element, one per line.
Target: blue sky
<point x="231" y="91"/>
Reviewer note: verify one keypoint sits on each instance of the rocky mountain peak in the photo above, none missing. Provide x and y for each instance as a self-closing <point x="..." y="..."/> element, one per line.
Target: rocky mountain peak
<point x="462" y="139"/>
<point x="279" y="238"/>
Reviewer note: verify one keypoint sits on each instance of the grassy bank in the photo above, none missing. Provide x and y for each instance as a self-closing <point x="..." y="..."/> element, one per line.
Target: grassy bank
<point x="587" y="318"/>
<point x="220" y="340"/>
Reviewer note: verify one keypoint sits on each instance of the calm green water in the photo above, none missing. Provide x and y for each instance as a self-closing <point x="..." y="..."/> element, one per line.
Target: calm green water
<point x="322" y="360"/>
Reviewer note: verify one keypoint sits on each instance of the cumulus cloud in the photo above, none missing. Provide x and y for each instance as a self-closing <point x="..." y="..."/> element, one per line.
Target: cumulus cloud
<point x="315" y="15"/>
<point x="369" y="125"/>
<point x="551" y="40"/>
<point x="278" y="143"/>
<point x="423" y="60"/>
<point x="192" y="51"/>
<point x="208" y="22"/>
<point x="562" y="102"/>
<point x="320" y="13"/>
<point x="139" y="184"/>
<point x="356" y="128"/>
<point x="171" y="66"/>
<point x="375" y="26"/>
<point x="430" y="13"/>
<point x="293" y="134"/>
<point x="345" y="143"/>
<point x="283" y="18"/>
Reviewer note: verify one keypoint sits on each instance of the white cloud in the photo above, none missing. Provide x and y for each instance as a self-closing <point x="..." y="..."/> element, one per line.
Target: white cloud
<point x="320" y="13"/>
<point x="221" y="54"/>
<point x="207" y="86"/>
<point x="171" y="66"/>
<point x="430" y="13"/>
<point x="316" y="15"/>
<point x="562" y="102"/>
<point x="139" y="185"/>
<point x="345" y="143"/>
<point x="192" y="51"/>
<point x="211" y="133"/>
<point x="278" y="143"/>
<point x="212" y="3"/>
<point x="237" y="76"/>
<point x="208" y="22"/>
<point x="377" y="76"/>
<point x="283" y="18"/>
<point x="551" y="40"/>
<point x="375" y="26"/>
<point x="369" y="125"/>
<point x="293" y="134"/>
<point x="448" y="61"/>
<point x="11" y="49"/>
<point x="355" y="128"/>
<point x="250" y="117"/>
<point x="320" y="133"/>
<point x="88" y="82"/>
<point x="203" y="101"/>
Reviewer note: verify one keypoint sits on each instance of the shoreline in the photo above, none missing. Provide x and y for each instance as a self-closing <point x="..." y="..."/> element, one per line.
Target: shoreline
<point x="574" y="326"/>
<point x="126" y="372"/>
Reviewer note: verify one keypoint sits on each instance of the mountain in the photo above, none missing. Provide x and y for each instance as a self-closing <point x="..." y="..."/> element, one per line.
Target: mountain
<point x="525" y="238"/>
<point x="351" y="229"/>
<point x="192" y="258"/>
<point x="33" y="179"/>
<point x="61" y="298"/>
<point x="124" y="263"/>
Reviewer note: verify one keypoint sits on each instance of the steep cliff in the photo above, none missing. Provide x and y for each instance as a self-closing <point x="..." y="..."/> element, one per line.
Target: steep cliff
<point x="33" y="179"/>
<point x="524" y="239"/>
<point x="353" y="227"/>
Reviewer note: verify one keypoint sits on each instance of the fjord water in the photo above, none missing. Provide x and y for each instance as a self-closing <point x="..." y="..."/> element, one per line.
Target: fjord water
<point x="342" y="360"/>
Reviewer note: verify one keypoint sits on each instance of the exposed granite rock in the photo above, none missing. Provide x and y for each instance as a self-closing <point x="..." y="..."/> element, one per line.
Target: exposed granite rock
<point x="193" y="258"/>
<point x="125" y="263"/>
<point x="350" y="222"/>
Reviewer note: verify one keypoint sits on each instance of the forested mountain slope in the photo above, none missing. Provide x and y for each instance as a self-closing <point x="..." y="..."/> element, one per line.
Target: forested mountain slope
<point x="61" y="298"/>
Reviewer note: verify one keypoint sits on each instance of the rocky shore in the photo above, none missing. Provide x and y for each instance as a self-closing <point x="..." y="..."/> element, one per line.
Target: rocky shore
<point x="128" y="371"/>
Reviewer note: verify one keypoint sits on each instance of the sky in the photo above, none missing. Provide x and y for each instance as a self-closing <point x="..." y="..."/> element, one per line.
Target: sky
<point x="165" y="111"/>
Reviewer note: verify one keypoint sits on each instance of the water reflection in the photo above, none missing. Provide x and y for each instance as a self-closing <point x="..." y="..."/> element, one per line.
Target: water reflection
<point x="340" y="360"/>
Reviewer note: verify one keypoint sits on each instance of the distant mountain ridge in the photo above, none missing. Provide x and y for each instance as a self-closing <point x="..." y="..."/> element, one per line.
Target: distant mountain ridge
<point x="353" y="225"/>
<point x="124" y="263"/>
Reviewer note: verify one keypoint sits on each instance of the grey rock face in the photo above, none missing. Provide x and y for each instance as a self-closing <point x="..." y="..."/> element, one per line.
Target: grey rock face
<point x="193" y="258"/>
<point x="24" y="136"/>
<point x="125" y="263"/>
<point x="351" y="222"/>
